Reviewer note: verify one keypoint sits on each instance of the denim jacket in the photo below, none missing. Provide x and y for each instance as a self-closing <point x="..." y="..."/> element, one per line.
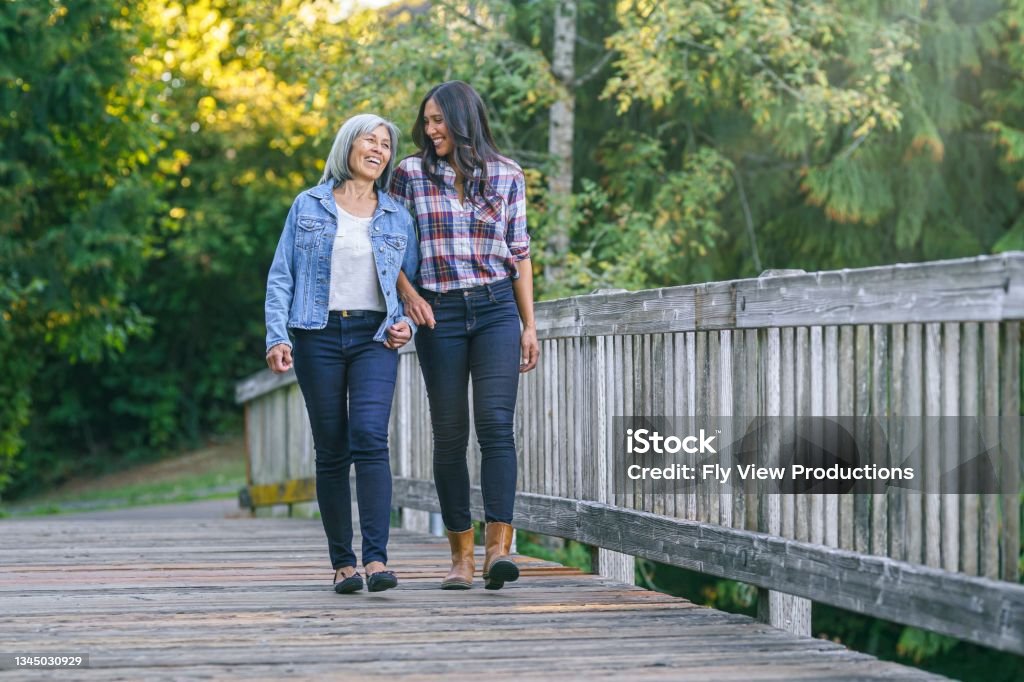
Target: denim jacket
<point x="299" y="282"/>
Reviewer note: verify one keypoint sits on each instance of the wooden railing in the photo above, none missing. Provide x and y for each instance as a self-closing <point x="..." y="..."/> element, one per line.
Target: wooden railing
<point x="927" y="339"/>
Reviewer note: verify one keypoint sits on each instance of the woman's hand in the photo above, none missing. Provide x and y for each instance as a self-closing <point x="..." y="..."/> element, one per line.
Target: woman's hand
<point x="418" y="310"/>
<point x="398" y="335"/>
<point x="530" y="349"/>
<point x="279" y="358"/>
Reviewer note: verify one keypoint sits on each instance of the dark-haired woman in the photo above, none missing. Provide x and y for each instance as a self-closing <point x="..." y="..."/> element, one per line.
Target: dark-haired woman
<point x="475" y="286"/>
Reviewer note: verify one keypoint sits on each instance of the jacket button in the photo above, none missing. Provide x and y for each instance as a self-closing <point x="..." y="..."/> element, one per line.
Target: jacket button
<point x="381" y="249"/>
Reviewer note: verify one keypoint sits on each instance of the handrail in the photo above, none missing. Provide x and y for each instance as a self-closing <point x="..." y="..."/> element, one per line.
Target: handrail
<point x="978" y="289"/>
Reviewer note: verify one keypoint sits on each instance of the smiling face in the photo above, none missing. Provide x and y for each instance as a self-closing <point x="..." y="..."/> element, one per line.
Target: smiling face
<point x="435" y="129"/>
<point x="370" y="154"/>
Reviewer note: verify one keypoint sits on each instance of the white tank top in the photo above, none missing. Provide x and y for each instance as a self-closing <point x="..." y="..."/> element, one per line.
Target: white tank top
<point x="354" y="284"/>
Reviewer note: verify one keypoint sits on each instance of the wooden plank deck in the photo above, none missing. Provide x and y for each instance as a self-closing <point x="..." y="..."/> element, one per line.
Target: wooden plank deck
<point x="252" y="599"/>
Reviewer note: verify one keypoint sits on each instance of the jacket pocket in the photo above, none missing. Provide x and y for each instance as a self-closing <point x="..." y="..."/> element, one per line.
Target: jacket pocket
<point x="309" y="231"/>
<point x="395" y="241"/>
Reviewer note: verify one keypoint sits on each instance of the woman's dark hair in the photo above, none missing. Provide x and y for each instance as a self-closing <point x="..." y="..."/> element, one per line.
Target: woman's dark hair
<point x="472" y="144"/>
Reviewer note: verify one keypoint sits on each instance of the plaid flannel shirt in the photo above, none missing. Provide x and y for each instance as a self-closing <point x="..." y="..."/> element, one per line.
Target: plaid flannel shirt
<point x="465" y="245"/>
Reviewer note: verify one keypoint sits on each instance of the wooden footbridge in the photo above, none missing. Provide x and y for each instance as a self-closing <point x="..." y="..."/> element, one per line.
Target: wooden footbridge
<point x="251" y="598"/>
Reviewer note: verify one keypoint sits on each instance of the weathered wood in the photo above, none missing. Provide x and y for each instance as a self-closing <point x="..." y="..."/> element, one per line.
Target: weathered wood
<point x="913" y="405"/>
<point x="606" y="563"/>
<point x="702" y="373"/>
<point x="184" y="617"/>
<point x="566" y="430"/>
<point x="550" y="412"/>
<point x="778" y="609"/>
<point x="803" y="408"/>
<point x="847" y="405"/>
<point x="983" y="611"/>
<point x="692" y="407"/>
<point x="299" y="453"/>
<point x="712" y="391"/>
<point x="724" y="409"/>
<point x="950" y="503"/>
<point x="740" y="392"/>
<point x="989" y="539"/>
<point x="884" y="587"/>
<point x="969" y="502"/>
<point x="581" y="444"/>
<point x="601" y="434"/>
<point x="285" y="492"/>
<point x="1011" y="464"/>
<point x="668" y="401"/>
<point x="982" y="289"/>
<point x="787" y="408"/>
<point x="643" y="405"/>
<point x="653" y="364"/>
<point x="627" y="381"/>
<point x="816" y="522"/>
<point x="879" y="408"/>
<point x="262" y="383"/>
<point x="862" y="379"/>
<point x="932" y="528"/>
<point x="897" y="499"/>
<point x="830" y="408"/>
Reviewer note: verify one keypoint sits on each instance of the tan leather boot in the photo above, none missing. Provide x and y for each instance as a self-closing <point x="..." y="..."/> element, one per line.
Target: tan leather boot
<point x="498" y="567"/>
<point x="461" y="575"/>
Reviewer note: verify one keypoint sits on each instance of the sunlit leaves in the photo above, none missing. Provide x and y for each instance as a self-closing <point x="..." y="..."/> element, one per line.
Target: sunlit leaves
<point x="817" y="63"/>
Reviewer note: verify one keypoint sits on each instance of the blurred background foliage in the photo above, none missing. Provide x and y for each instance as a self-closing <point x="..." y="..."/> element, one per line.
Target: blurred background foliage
<point x="150" y="150"/>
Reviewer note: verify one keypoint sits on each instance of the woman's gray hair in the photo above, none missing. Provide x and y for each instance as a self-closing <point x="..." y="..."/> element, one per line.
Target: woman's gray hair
<point x="336" y="167"/>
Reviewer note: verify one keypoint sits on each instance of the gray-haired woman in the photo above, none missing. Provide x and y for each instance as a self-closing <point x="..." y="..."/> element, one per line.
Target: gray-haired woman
<point x="332" y="285"/>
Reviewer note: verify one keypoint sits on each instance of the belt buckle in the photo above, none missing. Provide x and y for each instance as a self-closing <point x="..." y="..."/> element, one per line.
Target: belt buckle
<point x="344" y="313"/>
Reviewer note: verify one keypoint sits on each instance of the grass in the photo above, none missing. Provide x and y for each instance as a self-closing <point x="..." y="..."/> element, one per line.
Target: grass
<point x="215" y="472"/>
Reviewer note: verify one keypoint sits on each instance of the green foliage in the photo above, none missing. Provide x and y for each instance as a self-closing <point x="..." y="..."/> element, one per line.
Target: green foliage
<point x="921" y="644"/>
<point x="567" y="552"/>
<point x="151" y="148"/>
<point x="77" y="210"/>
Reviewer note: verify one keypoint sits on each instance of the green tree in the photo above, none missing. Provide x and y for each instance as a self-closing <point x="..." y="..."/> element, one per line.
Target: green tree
<point x="238" y="141"/>
<point x="856" y="132"/>
<point x="1005" y="99"/>
<point x="77" y="211"/>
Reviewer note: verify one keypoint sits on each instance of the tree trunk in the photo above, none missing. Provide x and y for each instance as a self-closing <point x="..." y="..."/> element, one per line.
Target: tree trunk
<point x="560" y="138"/>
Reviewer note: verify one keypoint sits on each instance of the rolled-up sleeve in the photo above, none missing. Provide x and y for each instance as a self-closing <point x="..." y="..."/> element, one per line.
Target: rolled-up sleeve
<point x="516" y="236"/>
<point x="410" y="262"/>
<point x="401" y="187"/>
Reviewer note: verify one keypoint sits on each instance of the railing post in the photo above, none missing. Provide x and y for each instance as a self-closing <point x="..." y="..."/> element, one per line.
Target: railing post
<point x="779" y="610"/>
<point x="606" y="563"/>
<point x="403" y="419"/>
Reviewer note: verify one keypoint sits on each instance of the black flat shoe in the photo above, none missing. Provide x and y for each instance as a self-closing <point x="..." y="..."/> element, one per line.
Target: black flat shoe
<point x="351" y="584"/>
<point x="381" y="580"/>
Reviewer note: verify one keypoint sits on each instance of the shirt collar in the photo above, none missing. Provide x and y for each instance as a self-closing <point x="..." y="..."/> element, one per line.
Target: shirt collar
<point x="325" y="190"/>
<point x="448" y="172"/>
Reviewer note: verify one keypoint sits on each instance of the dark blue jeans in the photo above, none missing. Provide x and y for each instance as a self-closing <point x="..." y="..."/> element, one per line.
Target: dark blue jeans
<point x="348" y="381"/>
<point x="477" y="336"/>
